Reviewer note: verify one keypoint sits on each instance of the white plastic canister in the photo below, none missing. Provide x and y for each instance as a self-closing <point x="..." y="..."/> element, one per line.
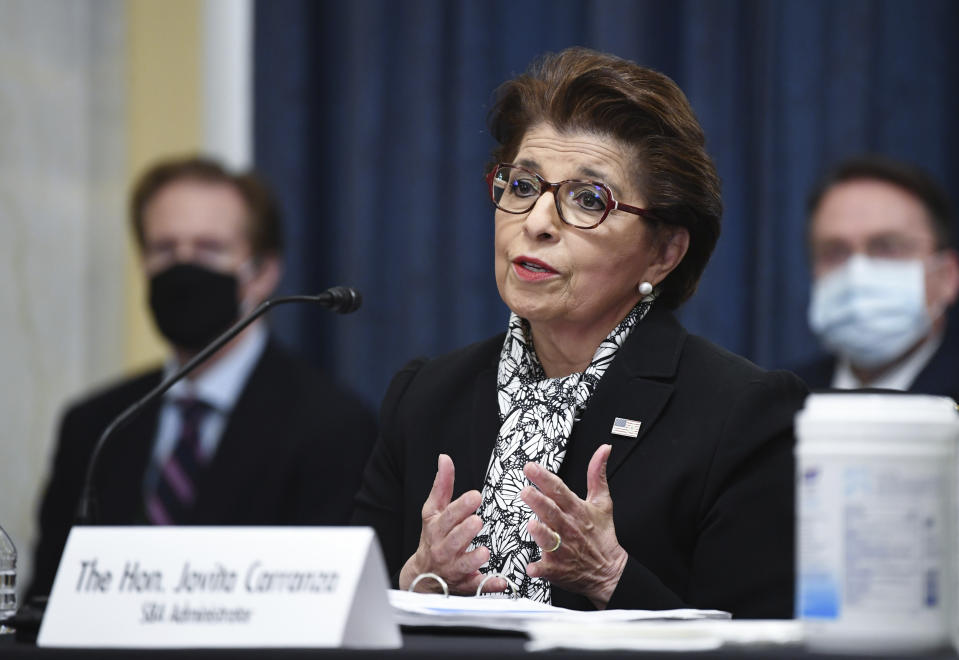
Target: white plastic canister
<point x="876" y="482"/>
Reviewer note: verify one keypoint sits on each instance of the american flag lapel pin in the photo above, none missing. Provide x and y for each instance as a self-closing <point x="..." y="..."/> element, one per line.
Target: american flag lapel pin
<point x="626" y="427"/>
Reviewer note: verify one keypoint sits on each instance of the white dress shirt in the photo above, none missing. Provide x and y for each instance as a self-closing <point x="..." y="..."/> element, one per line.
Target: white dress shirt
<point x="900" y="377"/>
<point x="219" y="386"/>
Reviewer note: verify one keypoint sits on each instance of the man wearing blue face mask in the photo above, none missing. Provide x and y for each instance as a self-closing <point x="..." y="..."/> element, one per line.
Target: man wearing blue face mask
<point x="881" y="239"/>
<point x="253" y="436"/>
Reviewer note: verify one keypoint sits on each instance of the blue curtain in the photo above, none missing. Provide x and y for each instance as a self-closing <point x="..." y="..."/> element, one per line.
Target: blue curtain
<point x="370" y="122"/>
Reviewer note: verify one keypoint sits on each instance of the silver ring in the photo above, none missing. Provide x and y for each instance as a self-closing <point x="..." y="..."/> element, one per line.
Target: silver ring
<point x="559" y="542"/>
<point x="433" y="576"/>
<point x="489" y="576"/>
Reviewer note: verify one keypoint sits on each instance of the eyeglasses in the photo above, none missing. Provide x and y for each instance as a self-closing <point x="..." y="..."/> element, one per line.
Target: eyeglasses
<point x="831" y="253"/>
<point x="582" y="204"/>
<point x="211" y="253"/>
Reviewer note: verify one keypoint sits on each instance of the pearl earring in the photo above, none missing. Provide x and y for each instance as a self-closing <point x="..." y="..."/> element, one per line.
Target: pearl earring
<point x="645" y="288"/>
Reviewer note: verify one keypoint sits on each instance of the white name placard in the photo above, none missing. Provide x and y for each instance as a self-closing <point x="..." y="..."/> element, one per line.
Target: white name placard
<point x="190" y="587"/>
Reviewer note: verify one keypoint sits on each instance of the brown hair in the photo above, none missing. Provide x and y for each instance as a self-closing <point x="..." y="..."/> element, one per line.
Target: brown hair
<point x="584" y="90"/>
<point x="263" y="224"/>
<point x="912" y="179"/>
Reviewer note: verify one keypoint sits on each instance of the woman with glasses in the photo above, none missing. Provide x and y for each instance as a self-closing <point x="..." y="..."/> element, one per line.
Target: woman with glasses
<point x="595" y="455"/>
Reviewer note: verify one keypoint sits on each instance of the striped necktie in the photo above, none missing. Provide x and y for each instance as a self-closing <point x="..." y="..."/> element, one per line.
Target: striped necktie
<point x="175" y="494"/>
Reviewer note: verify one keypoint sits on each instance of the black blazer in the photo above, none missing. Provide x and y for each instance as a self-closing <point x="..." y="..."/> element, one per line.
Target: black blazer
<point x="702" y="499"/>
<point x="291" y="453"/>
<point x="940" y="376"/>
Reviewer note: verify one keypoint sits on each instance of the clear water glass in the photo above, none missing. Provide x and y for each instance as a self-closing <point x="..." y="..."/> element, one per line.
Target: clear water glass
<point x="8" y="580"/>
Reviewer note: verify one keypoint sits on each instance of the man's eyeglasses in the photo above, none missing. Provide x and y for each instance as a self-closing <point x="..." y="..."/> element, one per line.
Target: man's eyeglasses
<point x="583" y="204"/>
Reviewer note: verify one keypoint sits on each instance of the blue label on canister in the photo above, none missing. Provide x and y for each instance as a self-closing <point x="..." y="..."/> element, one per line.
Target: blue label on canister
<point x="932" y="588"/>
<point x="818" y="596"/>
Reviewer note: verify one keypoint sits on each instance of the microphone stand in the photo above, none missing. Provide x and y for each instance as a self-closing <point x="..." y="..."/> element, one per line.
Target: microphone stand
<point x="340" y="299"/>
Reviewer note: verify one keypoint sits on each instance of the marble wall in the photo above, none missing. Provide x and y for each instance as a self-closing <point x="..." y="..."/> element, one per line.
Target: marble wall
<point x="62" y="231"/>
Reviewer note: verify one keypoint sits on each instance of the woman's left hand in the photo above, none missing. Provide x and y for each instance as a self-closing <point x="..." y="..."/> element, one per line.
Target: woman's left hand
<point x="580" y="552"/>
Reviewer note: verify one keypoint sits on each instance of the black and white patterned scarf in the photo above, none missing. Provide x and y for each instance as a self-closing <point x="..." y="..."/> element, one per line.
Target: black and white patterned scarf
<point x="536" y="418"/>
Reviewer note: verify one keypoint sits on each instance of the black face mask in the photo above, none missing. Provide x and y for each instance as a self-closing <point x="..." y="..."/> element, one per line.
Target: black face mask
<point x="192" y="304"/>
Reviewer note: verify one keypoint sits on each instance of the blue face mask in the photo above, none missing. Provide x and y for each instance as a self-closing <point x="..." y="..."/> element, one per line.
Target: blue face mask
<point x="871" y="311"/>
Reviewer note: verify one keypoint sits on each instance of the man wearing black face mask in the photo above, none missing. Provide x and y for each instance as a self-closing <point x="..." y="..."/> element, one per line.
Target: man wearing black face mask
<point x="253" y="436"/>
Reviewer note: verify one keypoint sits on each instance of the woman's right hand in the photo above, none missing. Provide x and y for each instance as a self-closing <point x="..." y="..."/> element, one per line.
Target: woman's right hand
<point x="448" y="529"/>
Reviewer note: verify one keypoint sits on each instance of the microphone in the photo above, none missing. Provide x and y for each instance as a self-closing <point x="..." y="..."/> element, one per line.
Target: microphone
<point x="340" y="299"/>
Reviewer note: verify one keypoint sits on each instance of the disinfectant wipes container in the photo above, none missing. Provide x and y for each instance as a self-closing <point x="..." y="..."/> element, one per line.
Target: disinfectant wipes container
<point x="876" y="514"/>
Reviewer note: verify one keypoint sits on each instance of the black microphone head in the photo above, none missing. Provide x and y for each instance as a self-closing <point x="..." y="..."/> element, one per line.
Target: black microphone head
<point x="341" y="299"/>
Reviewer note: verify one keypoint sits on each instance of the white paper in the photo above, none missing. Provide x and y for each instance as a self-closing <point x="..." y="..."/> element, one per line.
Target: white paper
<point x="498" y="613"/>
<point x="689" y="635"/>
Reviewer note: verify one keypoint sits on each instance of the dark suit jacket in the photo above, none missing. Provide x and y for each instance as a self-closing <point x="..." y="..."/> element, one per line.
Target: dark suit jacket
<point x="291" y="453"/>
<point x="702" y="499"/>
<point x="940" y="376"/>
